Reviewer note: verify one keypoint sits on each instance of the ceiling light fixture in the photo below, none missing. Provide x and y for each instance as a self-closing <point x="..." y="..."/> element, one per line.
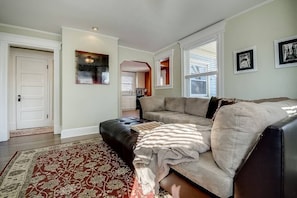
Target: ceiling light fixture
<point x="89" y="59"/>
<point x="95" y="28"/>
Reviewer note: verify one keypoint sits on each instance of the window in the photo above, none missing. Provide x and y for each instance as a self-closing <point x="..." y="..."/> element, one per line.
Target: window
<point x="128" y="81"/>
<point x="202" y="63"/>
<point x="164" y="69"/>
<point x="202" y="70"/>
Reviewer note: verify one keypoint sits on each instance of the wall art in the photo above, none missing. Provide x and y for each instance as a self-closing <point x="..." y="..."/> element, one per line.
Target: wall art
<point x="286" y="52"/>
<point x="91" y="68"/>
<point x="245" y="60"/>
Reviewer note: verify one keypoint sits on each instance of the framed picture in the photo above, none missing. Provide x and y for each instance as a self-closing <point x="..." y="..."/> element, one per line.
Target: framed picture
<point x="245" y="60"/>
<point x="91" y="68"/>
<point x="286" y="52"/>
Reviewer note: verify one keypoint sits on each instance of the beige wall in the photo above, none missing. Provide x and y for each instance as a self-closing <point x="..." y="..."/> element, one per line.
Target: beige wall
<point x="87" y="105"/>
<point x="130" y="54"/>
<point x="260" y="27"/>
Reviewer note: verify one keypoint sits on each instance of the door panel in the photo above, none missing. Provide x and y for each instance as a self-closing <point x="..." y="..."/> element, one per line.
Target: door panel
<point x="33" y="92"/>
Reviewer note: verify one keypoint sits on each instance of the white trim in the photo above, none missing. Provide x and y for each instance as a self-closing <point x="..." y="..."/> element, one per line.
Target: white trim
<point x="167" y="47"/>
<point x="167" y="54"/>
<point x="134" y="49"/>
<point x="30" y="29"/>
<point x="250" y="9"/>
<point x="220" y="59"/>
<point x="7" y="40"/>
<point x="67" y="133"/>
<point x="3" y="90"/>
<point x="206" y="35"/>
<point x="90" y="32"/>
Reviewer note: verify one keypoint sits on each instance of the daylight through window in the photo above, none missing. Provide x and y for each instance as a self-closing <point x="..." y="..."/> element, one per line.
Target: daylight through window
<point x="201" y="71"/>
<point x="202" y="62"/>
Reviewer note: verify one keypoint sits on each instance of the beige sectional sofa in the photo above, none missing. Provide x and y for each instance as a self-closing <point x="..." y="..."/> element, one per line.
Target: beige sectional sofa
<point x="236" y="131"/>
<point x="175" y="110"/>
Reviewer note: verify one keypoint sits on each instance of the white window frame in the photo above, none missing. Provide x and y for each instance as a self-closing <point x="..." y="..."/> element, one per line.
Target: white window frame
<point x="207" y="35"/>
<point x="158" y="58"/>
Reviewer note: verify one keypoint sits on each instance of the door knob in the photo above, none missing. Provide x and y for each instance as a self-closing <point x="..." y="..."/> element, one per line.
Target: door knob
<point x="19" y="98"/>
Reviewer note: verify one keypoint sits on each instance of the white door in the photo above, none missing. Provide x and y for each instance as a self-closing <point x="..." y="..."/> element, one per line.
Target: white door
<point x="32" y="87"/>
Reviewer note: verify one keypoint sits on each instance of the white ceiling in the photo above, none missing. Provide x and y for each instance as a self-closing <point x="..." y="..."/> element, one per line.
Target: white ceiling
<point x="148" y="25"/>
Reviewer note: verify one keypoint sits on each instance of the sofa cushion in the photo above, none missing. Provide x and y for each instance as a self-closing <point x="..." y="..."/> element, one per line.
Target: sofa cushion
<point x="196" y="106"/>
<point x="176" y="104"/>
<point x="151" y="115"/>
<point x="207" y="174"/>
<point x="236" y="129"/>
<point x="290" y="106"/>
<point x="185" y="118"/>
<point x="270" y="99"/>
<point x="152" y="103"/>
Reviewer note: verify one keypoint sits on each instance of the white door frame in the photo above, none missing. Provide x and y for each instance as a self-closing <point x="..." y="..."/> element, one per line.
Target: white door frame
<point x="7" y="40"/>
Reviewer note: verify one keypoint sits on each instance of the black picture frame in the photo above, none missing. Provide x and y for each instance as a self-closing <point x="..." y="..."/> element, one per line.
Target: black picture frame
<point x="286" y="52"/>
<point x="245" y="60"/>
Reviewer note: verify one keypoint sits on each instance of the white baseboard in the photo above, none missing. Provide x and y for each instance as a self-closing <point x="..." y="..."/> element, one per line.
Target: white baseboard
<point x="67" y="133"/>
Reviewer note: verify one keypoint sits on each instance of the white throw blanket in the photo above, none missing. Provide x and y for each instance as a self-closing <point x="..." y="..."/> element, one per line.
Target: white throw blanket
<point x="168" y="144"/>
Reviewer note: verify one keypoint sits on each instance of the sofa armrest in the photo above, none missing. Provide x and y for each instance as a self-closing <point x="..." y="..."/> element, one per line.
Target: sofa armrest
<point x="270" y="169"/>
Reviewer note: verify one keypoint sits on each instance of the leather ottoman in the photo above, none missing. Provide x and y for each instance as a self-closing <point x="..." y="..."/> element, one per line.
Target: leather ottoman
<point x="118" y="135"/>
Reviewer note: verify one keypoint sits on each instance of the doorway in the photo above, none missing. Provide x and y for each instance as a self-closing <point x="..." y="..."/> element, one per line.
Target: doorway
<point x="135" y="83"/>
<point x="7" y="40"/>
<point x="30" y="91"/>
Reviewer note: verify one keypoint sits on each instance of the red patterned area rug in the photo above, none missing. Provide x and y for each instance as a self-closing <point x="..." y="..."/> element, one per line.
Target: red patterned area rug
<point x="87" y="168"/>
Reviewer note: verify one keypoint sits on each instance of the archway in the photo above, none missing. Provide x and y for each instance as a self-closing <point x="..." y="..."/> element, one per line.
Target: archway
<point x="136" y="82"/>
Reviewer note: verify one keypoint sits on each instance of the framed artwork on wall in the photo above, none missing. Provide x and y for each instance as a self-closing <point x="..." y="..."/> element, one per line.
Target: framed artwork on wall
<point x="285" y="52"/>
<point x="244" y="60"/>
<point x="91" y="68"/>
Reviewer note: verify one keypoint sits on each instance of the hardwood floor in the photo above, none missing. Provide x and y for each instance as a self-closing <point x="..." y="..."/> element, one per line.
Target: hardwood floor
<point x="31" y="131"/>
<point x="10" y="147"/>
<point x="130" y="113"/>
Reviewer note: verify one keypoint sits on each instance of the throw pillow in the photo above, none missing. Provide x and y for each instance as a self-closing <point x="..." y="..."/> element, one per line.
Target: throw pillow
<point x="212" y="107"/>
<point x="223" y="102"/>
<point x="236" y="129"/>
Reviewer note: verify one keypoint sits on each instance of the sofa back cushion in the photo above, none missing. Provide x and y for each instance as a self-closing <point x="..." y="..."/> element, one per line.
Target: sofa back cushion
<point x="196" y="106"/>
<point x="235" y="131"/>
<point x="152" y="103"/>
<point x="176" y="104"/>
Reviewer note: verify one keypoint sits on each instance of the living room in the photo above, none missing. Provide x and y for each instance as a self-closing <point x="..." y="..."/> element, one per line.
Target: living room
<point x="80" y="108"/>
<point x="241" y="31"/>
